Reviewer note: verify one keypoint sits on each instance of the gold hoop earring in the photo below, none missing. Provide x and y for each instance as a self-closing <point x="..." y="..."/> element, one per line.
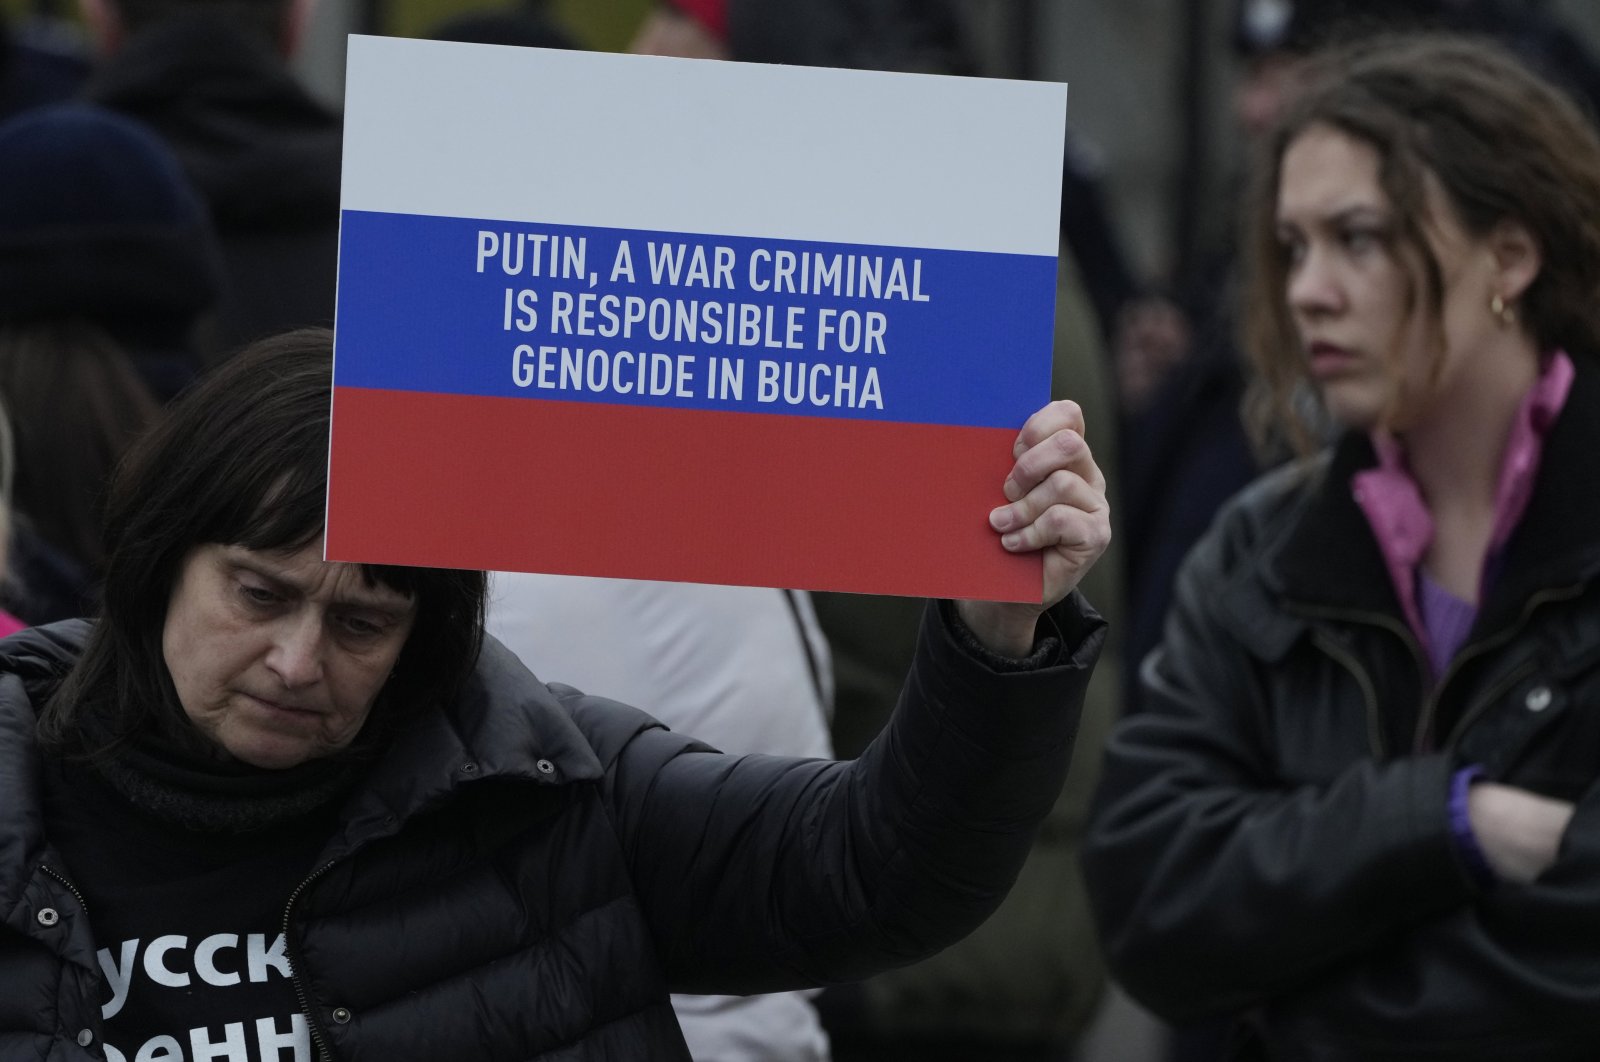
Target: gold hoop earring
<point x="1507" y="314"/>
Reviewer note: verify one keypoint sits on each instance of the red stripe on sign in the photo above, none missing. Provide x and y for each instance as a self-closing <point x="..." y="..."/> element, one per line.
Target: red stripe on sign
<point x="577" y="488"/>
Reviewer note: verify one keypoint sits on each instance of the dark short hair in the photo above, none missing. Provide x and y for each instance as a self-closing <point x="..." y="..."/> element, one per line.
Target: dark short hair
<point x="241" y="459"/>
<point x="1503" y="144"/>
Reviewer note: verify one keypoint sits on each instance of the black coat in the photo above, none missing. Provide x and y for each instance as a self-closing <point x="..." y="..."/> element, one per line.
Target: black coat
<point x="263" y="154"/>
<point x="592" y="861"/>
<point x="1270" y="837"/>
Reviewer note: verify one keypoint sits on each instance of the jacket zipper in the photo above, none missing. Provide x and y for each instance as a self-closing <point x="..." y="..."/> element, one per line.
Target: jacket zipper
<point x="1471" y="715"/>
<point x="1369" y="693"/>
<point x="1479" y="648"/>
<point x="50" y="872"/>
<point x="1375" y="729"/>
<point x="323" y="1054"/>
<point x="82" y="904"/>
<point x="1430" y="705"/>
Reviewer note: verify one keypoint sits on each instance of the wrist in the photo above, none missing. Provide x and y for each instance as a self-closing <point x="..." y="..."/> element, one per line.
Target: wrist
<point x="1462" y="834"/>
<point x="1004" y="629"/>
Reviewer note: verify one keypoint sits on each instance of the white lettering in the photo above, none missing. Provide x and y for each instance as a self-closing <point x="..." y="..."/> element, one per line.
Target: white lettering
<point x="825" y="326"/>
<point x="818" y="397"/>
<point x="561" y="311"/>
<point x="272" y="1043"/>
<point x="521" y="371"/>
<point x="803" y="383"/>
<point x="154" y="968"/>
<point x="119" y="975"/>
<point x="666" y="262"/>
<point x="758" y="257"/>
<point x="205" y="959"/>
<point x="870" y="394"/>
<point x="232" y="1046"/>
<point x="488" y="246"/>
<point x="791" y="338"/>
<point x="844" y="387"/>
<point x="258" y="957"/>
<point x="622" y="265"/>
<point x="171" y="1050"/>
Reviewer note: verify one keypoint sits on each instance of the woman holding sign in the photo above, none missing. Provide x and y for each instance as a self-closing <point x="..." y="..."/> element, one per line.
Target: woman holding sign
<point x="1360" y="810"/>
<point x="269" y="803"/>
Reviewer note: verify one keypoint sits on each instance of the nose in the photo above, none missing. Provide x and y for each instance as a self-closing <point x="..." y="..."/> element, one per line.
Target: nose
<point x="1313" y="286"/>
<point x="296" y="652"/>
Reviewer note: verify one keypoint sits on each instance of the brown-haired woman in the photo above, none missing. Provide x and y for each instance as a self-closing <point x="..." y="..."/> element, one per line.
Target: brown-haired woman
<point x="1360" y="809"/>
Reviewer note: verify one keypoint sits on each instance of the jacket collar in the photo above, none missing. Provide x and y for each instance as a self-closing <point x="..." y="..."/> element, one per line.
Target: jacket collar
<point x="505" y="725"/>
<point x="1329" y="559"/>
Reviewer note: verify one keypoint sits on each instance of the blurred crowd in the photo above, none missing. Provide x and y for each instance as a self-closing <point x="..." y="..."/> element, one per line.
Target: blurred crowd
<point x="169" y="190"/>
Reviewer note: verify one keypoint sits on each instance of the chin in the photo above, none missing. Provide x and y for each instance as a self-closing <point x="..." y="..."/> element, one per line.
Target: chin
<point x="271" y="755"/>
<point x="1352" y="411"/>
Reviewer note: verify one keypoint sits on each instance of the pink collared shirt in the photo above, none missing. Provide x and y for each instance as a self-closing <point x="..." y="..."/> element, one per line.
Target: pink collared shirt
<point x="1400" y="520"/>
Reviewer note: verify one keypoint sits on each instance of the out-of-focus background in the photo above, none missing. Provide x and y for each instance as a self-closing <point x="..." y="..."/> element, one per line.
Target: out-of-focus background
<point x="1150" y="83"/>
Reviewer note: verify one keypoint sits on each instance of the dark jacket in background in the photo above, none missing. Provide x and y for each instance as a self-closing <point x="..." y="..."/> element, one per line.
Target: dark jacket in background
<point x="594" y="861"/>
<point x="263" y="153"/>
<point x="1270" y="839"/>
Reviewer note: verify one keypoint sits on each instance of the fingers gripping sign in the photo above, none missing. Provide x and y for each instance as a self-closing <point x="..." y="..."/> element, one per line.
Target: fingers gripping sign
<point x="1056" y="506"/>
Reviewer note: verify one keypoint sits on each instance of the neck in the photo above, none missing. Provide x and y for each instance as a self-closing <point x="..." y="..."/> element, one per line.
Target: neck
<point x="1456" y="454"/>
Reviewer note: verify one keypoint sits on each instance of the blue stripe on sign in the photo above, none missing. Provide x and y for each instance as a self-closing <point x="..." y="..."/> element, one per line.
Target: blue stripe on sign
<point x="461" y="306"/>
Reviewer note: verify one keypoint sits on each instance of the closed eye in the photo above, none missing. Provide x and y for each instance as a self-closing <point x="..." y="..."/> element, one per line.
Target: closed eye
<point x="259" y="596"/>
<point x="361" y="626"/>
<point x="1362" y="240"/>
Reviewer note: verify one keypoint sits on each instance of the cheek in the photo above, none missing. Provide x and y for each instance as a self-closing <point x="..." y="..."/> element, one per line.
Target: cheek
<point x="359" y="686"/>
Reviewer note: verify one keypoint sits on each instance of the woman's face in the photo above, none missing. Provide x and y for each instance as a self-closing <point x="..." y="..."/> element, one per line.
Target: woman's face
<point x="278" y="657"/>
<point x="1371" y="341"/>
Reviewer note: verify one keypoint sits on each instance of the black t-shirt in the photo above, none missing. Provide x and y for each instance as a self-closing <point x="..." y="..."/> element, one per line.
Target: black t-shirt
<point x="188" y="925"/>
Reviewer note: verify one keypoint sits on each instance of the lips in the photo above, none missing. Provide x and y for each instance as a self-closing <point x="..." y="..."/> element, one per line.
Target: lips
<point x="286" y="709"/>
<point x="1329" y="359"/>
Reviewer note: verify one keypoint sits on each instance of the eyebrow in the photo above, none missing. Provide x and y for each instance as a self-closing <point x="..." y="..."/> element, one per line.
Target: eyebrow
<point x="378" y="599"/>
<point x="1346" y="213"/>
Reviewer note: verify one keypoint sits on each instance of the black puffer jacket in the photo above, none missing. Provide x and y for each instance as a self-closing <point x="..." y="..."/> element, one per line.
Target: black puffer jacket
<point x="591" y="859"/>
<point x="1269" y="840"/>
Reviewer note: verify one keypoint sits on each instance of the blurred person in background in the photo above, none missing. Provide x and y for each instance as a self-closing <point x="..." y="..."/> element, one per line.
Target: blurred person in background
<point x="212" y="78"/>
<point x="107" y="265"/>
<point x="1358" y="811"/>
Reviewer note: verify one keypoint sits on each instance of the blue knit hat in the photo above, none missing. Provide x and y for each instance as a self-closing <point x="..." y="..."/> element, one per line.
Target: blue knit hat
<point x="98" y="222"/>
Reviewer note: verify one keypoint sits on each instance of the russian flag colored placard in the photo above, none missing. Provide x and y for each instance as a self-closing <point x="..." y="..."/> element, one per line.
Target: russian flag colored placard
<point x="663" y="319"/>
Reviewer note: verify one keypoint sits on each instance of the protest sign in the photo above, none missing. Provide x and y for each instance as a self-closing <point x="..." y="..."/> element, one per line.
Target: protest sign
<point x="666" y="319"/>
